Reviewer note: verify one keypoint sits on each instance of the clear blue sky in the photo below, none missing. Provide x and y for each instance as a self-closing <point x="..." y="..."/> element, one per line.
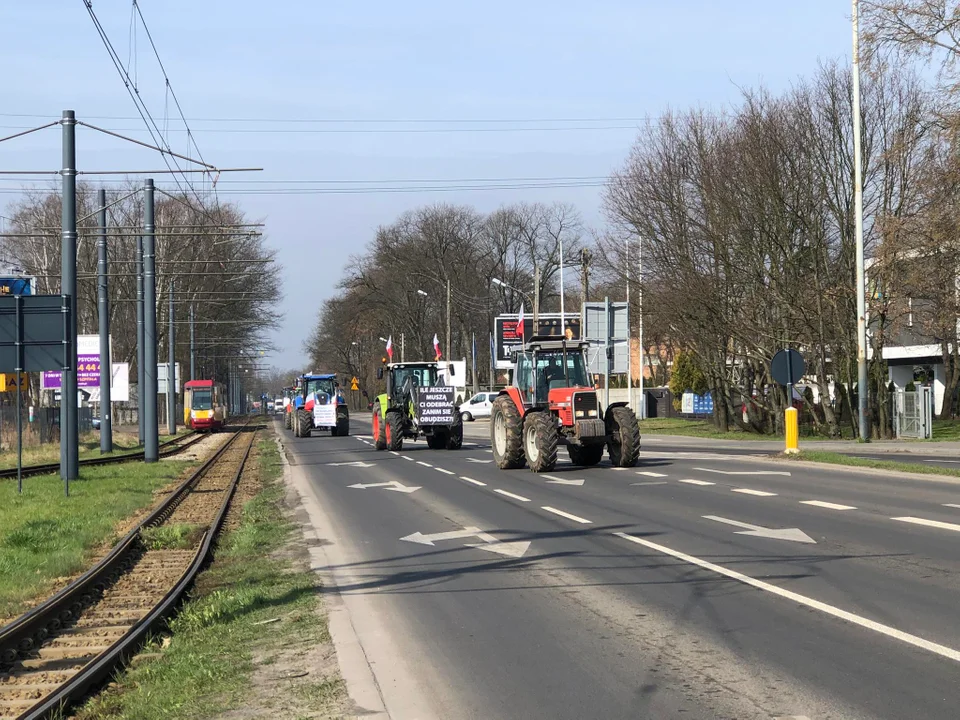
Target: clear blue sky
<point x="385" y="61"/>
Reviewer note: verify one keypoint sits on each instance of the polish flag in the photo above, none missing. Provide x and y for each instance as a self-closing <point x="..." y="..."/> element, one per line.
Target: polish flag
<point x="436" y="346"/>
<point x="390" y="347"/>
<point x="520" y="322"/>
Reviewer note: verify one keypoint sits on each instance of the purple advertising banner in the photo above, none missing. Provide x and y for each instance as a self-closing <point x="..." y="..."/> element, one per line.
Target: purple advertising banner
<point x="88" y="366"/>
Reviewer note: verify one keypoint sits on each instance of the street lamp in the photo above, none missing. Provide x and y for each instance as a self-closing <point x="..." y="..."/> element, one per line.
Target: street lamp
<point x="421" y="292"/>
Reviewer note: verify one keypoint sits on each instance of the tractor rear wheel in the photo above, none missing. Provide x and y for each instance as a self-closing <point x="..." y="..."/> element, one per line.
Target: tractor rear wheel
<point x="293" y="423"/>
<point x="623" y="436"/>
<point x="585" y="454"/>
<point x="540" y="441"/>
<point x="342" y="428"/>
<point x="506" y="434"/>
<point x="286" y="420"/>
<point x="455" y="434"/>
<point x="303" y="423"/>
<point x="379" y="430"/>
<point x="394" y="431"/>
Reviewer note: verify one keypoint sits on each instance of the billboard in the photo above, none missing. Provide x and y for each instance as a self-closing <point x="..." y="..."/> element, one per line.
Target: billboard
<point x="88" y="365"/>
<point x="16" y="285"/>
<point x="507" y="337"/>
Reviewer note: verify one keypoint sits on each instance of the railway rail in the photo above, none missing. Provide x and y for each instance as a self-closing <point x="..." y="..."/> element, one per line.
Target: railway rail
<point x="53" y="655"/>
<point x="166" y="449"/>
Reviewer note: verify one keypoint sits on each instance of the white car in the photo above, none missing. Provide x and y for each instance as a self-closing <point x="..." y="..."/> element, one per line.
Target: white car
<point x="479" y="406"/>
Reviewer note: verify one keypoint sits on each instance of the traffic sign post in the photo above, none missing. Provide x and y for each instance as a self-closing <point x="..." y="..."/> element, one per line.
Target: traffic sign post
<point x="787" y="367"/>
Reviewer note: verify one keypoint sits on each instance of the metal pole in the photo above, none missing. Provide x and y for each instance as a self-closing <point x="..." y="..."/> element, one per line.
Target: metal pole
<point x="449" y="358"/>
<point x="151" y="430"/>
<point x="402" y="344"/>
<point x="536" y="300"/>
<point x="643" y="399"/>
<point x="606" y="357"/>
<point x="140" y="384"/>
<point x="563" y="322"/>
<point x="193" y="347"/>
<point x="103" y="312"/>
<point x="19" y="306"/>
<point x="171" y="370"/>
<point x="629" y="344"/>
<point x="69" y="417"/>
<point x="858" y="215"/>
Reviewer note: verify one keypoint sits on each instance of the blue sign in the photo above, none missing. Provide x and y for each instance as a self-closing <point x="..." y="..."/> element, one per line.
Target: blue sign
<point x="703" y="404"/>
<point x="16" y="285"/>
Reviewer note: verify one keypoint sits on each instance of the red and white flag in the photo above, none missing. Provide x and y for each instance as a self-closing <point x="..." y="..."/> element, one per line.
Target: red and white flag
<point x="520" y="322"/>
<point x="436" y="346"/>
<point x="390" y="347"/>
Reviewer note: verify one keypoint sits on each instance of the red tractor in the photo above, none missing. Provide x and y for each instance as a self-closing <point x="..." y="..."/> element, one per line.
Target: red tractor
<point x="550" y="403"/>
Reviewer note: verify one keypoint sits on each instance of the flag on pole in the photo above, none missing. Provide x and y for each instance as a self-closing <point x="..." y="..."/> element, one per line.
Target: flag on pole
<point x="436" y="346"/>
<point x="520" y="322"/>
<point x="390" y="347"/>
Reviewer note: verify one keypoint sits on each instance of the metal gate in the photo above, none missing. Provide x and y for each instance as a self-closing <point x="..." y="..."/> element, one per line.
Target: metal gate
<point x="913" y="413"/>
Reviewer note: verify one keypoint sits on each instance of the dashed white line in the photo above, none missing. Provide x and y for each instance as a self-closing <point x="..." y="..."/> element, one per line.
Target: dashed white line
<point x="407" y="457"/>
<point x="758" y="493"/>
<point x="421" y="462"/>
<point x="696" y="482"/>
<point x="471" y="480"/>
<point x="827" y="505"/>
<point x="445" y="472"/>
<point x="823" y="607"/>
<point x="394" y="452"/>
<point x="650" y="474"/>
<point x="953" y="505"/>
<point x="568" y="516"/>
<point x="745" y="472"/>
<point x="929" y="523"/>
<point x="521" y="498"/>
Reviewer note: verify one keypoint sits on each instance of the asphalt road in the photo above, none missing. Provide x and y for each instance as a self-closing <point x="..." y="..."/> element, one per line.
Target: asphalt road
<point x="697" y="585"/>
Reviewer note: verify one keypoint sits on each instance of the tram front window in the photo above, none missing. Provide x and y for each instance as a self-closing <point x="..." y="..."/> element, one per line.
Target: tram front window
<point x="202" y="399"/>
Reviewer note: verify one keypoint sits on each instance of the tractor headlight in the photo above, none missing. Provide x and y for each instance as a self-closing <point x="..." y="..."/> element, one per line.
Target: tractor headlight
<point x="578" y="413"/>
<point x="591" y="413"/>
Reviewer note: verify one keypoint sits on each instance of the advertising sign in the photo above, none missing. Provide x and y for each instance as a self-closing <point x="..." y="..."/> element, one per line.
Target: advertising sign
<point x="507" y="336"/>
<point x="88" y="365"/>
<point x="16" y="285"/>
<point x="119" y="384"/>
<point x="434" y="405"/>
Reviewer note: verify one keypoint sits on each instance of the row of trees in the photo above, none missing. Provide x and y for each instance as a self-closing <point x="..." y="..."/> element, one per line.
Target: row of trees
<point x="214" y="256"/>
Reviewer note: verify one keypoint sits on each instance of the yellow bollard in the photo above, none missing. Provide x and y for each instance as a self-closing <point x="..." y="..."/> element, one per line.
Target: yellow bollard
<point x="793" y="431"/>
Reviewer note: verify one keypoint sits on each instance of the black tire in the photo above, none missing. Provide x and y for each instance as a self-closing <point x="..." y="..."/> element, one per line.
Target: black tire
<point x="455" y="435"/>
<point x="466" y="417"/>
<point x="438" y="440"/>
<point x="394" y="430"/>
<point x="287" y="416"/>
<point x="303" y="423"/>
<point x="585" y="454"/>
<point x="623" y="436"/>
<point x="379" y="430"/>
<point x="508" y="453"/>
<point x="342" y="428"/>
<point x="294" y="423"/>
<point x="540" y="440"/>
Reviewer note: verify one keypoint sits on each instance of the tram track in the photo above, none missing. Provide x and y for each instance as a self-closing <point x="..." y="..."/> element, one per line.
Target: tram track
<point x="57" y="652"/>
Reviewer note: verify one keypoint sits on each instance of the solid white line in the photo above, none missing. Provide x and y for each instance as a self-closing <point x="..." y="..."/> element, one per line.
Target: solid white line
<point x="568" y="516"/>
<point x="953" y="505"/>
<point x="758" y="493"/>
<point x="929" y="523"/>
<point x="745" y="472"/>
<point x="827" y="505"/>
<point x="650" y="474"/>
<point x="521" y="498"/>
<point x="445" y="472"/>
<point x="421" y="462"/>
<point x="471" y="480"/>
<point x="696" y="482"/>
<point x="823" y="607"/>
<point x="735" y="523"/>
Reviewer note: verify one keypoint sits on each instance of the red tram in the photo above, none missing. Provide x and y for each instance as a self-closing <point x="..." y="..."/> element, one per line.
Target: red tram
<point x="203" y="406"/>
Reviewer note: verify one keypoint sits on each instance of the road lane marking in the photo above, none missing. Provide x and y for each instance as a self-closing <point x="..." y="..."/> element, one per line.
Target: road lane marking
<point x="650" y="482"/>
<point x="650" y="474"/>
<point x="445" y="472"/>
<point x="929" y="523"/>
<point x="471" y="480"/>
<point x="823" y="607"/>
<point x="407" y="457"/>
<point x="791" y="534"/>
<point x="696" y="482"/>
<point x="521" y="498"/>
<point x="421" y="462"/>
<point x="394" y="452"/>
<point x="568" y="516"/>
<point x="953" y="505"/>
<point x="758" y="493"/>
<point x="827" y="505"/>
<point x="394" y="485"/>
<point x="745" y="472"/>
<point x="554" y="480"/>
<point x="942" y="461"/>
<point x="478" y="460"/>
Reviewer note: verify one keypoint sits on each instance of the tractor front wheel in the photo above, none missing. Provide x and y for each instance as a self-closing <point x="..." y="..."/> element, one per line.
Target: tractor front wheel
<point x="394" y="431"/>
<point x="623" y="436"/>
<point x="585" y="454"/>
<point x="286" y="420"/>
<point x="506" y="434"/>
<point x="379" y="430"/>
<point x="303" y="423"/>
<point x="540" y="441"/>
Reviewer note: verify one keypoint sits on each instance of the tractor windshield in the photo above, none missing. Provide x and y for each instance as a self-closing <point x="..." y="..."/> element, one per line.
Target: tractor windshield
<point x="320" y="385"/>
<point x="550" y="374"/>
<point x="424" y="376"/>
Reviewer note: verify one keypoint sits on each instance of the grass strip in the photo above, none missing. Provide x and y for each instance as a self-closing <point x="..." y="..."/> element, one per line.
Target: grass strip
<point x="123" y="443"/>
<point x="45" y="536"/>
<point x="833" y="458"/>
<point x="248" y="608"/>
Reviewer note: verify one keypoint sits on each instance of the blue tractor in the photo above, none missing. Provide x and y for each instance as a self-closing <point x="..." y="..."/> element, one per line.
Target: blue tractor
<point x="319" y="404"/>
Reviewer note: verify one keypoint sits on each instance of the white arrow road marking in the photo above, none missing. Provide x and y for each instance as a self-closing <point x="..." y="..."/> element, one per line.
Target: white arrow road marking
<point x="792" y="534"/>
<point x="650" y="474"/>
<point x="471" y="480"/>
<point x="521" y="498"/>
<point x="352" y="464"/>
<point x="553" y="480"/>
<point x="696" y="482"/>
<point x="745" y="472"/>
<point x="758" y="493"/>
<point x="510" y="548"/>
<point x="476" y="460"/>
<point x="942" y="650"/>
<point x="419" y="537"/>
<point x="568" y="516"/>
<point x="394" y="485"/>
<point x="929" y="523"/>
<point x="827" y="505"/>
<point x="514" y="549"/>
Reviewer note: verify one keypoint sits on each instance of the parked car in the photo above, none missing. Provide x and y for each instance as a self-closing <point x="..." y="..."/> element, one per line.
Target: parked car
<point x="478" y="406"/>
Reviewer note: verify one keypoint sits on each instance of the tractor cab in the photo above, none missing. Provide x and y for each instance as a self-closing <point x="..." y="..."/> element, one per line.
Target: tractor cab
<point x="402" y="378"/>
<point x="416" y="404"/>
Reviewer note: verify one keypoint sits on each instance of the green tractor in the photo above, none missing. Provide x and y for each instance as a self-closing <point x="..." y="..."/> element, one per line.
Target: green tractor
<point x="416" y="405"/>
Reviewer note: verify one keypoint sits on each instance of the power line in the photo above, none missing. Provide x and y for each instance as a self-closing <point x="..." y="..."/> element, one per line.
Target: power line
<point x="388" y="121"/>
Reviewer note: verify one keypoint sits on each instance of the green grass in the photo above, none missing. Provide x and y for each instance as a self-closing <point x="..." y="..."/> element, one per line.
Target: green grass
<point x="695" y="428"/>
<point x="89" y="447"/>
<point x="207" y="668"/>
<point x="833" y="458"/>
<point x="44" y="535"/>
<point x="179" y="536"/>
<point x="946" y="431"/>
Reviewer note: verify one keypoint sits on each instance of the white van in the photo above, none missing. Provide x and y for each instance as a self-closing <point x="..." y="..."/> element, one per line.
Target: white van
<point x="479" y="406"/>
